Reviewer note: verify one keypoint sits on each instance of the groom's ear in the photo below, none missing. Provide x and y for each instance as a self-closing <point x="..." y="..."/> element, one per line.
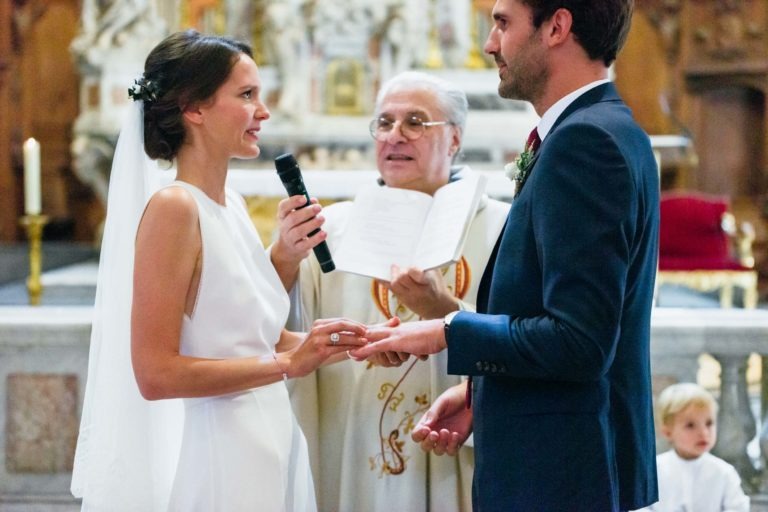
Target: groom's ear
<point x="558" y="27"/>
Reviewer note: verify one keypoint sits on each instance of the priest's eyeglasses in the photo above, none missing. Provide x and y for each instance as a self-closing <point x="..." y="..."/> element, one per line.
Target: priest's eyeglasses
<point x="411" y="127"/>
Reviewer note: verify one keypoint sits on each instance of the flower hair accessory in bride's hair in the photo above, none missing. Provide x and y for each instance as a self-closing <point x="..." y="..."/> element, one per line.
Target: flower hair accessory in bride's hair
<point x="144" y="90"/>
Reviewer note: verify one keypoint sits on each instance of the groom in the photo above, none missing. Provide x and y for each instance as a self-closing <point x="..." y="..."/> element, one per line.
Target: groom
<point x="558" y="352"/>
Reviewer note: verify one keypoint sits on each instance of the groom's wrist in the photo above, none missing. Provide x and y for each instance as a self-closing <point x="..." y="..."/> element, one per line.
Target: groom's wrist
<point x="447" y="324"/>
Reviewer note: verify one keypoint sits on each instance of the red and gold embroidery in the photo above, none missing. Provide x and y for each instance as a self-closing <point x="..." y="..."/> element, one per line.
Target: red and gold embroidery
<point x="391" y="459"/>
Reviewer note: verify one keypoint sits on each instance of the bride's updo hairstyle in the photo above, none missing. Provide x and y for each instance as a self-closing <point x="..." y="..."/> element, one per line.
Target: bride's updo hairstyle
<point x="185" y="68"/>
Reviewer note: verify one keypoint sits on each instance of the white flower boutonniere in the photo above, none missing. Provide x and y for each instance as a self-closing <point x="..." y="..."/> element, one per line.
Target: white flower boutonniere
<point x="511" y="170"/>
<point x="518" y="170"/>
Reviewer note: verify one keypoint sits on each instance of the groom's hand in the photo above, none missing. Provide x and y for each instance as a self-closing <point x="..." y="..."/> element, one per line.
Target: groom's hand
<point x="388" y="359"/>
<point x="417" y="338"/>
<point x="447" y="424"/>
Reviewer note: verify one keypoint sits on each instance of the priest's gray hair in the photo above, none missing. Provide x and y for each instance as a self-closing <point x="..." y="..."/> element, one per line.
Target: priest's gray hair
<point x="451" y="99"/>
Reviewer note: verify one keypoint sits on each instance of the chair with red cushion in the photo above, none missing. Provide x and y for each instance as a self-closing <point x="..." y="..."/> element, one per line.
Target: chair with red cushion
<point x="697" y="233"/>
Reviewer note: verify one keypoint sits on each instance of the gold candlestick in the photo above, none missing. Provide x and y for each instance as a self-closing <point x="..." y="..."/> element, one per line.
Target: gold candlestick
<point x="434" y="53"/>
<point x="474" y="58"/>
<point x="34" y="224"/>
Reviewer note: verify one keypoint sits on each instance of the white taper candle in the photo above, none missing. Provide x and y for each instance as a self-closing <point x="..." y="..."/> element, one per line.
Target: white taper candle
<point x="31" y="177"/>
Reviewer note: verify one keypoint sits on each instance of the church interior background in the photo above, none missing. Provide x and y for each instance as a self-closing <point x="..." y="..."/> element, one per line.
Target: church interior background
<point x="694" y="72"/>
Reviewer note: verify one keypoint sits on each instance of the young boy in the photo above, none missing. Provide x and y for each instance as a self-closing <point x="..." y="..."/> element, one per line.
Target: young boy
<point x="690" y="478"/>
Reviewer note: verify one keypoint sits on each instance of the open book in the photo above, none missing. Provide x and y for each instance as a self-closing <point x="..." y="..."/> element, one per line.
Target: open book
<point x="408" y="228"/>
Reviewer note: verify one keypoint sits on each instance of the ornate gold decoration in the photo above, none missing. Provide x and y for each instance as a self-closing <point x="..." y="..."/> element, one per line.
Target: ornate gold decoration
<point x="723" y="280"/>
<point x="387" y="390"/>
<point x="742" y="236"/>
<point x="711" y="280"/>
<point x="33" y="224"/>
<point x="726" y="30"/>
<point x="391" y="459"/>
<point x="665" y="16"/>
<point x="263" y="213"/>
<point x="475" y="58"/>
<point x="257" y="35"/>
<point x="344" y="87"/>
<point x="434" y="55"/>
<point x="196" y="12"/>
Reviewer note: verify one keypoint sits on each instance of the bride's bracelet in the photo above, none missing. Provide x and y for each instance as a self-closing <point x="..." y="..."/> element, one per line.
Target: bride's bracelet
<point x="285" y="375"/>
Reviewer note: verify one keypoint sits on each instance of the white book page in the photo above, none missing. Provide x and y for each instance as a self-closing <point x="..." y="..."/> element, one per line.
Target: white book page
<point x="383" y="229"/>
<point x="453" y="208"/>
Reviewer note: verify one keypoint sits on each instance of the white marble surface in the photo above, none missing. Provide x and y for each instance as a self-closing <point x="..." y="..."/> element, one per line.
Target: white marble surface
<point x="45" y="326"/>
<point x="726" y="331"/>
<point x="39" y="503"/>
<point x="709" y="318"/>
<point x="341" y="184"/>
<point x="45" y="316"/>
<point x="257" y="178"/>
<point x="79" y="274"/>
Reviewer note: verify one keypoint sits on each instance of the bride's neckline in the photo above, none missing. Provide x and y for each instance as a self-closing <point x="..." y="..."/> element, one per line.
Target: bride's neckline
<point x="209" y="198"/>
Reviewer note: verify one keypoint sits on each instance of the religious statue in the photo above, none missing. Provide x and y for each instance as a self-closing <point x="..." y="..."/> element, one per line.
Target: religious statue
<point x="288" y="48"/>
<point x="453" y="26"/>
<point x="92" y="162"/>
<point x="196" y="12"/>
<point x="239" y="20"/>
<point x="391" y="29"/>
<point x="114" y="23"/>
<point x="114" y="39"/>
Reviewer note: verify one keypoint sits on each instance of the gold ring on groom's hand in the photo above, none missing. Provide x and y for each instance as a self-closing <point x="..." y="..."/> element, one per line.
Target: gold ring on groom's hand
<point x="334" y="338"/>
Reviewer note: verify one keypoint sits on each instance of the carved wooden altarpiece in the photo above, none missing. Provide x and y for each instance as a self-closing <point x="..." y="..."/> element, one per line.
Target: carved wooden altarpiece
<point x="718" y="50"/>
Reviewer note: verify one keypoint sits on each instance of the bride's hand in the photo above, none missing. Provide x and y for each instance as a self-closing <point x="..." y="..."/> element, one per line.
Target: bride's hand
<point x="295" y="223"/>
<point x="326" y="338"/>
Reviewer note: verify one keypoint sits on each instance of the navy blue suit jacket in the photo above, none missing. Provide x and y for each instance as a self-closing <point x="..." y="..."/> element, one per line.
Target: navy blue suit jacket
<point x="560" y="360"/>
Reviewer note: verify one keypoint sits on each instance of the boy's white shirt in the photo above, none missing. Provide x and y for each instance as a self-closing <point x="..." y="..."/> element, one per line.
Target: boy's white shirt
<point x="705" y="484"/>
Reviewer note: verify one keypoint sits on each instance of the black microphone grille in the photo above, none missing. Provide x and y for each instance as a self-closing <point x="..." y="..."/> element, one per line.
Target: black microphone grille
<point x="285" y="162"/>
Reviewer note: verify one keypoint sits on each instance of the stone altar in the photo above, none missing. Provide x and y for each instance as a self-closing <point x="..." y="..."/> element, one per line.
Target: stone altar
<point x="44" y="358"/>
<point x="43" y="366"/>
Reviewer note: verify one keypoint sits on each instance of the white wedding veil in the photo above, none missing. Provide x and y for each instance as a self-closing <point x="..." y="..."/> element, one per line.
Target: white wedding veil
<point x="128" y="447"/>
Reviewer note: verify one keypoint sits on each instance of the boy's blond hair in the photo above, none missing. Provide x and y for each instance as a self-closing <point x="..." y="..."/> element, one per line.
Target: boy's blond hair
<point x="677" y="397"/>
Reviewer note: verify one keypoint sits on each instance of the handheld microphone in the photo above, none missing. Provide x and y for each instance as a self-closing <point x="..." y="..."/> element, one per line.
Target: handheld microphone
<point x="290" y="174"/>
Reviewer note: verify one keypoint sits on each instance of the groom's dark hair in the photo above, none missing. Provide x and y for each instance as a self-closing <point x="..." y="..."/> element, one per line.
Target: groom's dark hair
<point x="600" y="26"/>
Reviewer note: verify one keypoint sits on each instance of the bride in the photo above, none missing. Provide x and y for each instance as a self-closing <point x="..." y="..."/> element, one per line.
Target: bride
<point x="189" y="306"/>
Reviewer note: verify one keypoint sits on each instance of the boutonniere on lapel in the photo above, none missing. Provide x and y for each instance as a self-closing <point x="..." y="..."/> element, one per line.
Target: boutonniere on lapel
<point x="519" y="170"/>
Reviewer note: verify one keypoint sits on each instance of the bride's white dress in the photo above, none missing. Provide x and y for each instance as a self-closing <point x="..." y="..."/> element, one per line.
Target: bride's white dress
<point x="244" y="451"/>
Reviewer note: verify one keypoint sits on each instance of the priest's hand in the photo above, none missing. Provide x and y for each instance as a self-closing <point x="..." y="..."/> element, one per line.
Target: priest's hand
<point x="447" y="424"/>
<point x="423" y="292"/>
